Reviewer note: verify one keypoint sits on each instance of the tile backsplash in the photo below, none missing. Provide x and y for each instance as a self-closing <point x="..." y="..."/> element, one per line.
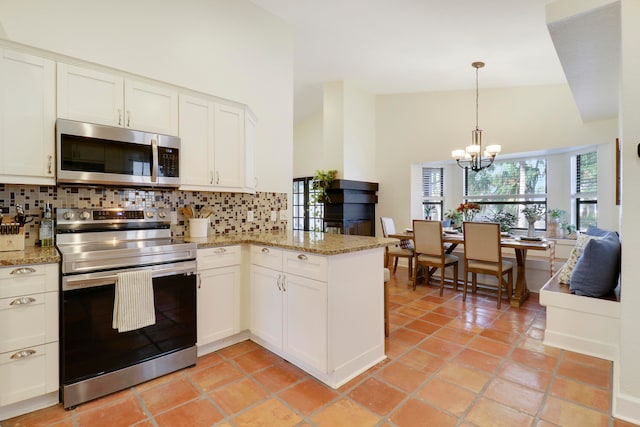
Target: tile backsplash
<point x="230" y="209"/>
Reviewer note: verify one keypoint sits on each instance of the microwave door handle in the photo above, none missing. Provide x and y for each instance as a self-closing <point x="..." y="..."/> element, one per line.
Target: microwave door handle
<point x="154" y="154"/>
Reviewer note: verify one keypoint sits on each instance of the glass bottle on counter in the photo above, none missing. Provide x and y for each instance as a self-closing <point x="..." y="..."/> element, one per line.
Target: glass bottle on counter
<point x="46" y="227"/>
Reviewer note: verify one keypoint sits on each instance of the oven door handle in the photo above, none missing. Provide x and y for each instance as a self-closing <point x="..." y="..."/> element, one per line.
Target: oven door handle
<point x="90" y="280"/>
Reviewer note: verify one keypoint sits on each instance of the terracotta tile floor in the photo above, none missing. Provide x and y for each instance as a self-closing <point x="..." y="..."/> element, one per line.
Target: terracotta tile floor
<point x="450" y="364"/>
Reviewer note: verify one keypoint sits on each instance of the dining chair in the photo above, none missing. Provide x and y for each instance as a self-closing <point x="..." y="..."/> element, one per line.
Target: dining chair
<point x="388" y="227"/>
<point x="483" y="255"/>
<point x="429" y="252"/>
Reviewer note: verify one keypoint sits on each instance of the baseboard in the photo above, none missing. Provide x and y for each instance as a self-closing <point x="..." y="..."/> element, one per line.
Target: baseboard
<point x="581" y="345"/>
<point x="626" y="408"/>
<point x="29" y="405"/>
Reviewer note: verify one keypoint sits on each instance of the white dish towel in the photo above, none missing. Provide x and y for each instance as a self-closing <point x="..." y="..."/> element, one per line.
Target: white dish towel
<point x="133" y="306"/>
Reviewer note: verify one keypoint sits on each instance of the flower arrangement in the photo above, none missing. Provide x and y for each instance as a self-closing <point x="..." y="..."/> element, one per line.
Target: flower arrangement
<point x="468" y="210"/>
<point x="533" y="213"/>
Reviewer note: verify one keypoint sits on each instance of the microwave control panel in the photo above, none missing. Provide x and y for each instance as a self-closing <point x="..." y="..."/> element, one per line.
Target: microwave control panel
<point x="168" y="162"/>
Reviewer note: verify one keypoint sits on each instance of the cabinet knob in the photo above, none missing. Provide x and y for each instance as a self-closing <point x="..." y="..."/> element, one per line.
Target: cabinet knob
<point x="23" y="270"/>
<point x="265" y="250"/>
<point x="22" y="354"/>
<point x="221" y="250"/>
<point x="22" y="301"/>
<point x="302" y="257"/>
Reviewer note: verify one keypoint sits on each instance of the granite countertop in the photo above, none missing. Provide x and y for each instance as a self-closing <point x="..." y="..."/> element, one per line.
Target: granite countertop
<point x="304" y="241"/>
<point x="30" y="255"/>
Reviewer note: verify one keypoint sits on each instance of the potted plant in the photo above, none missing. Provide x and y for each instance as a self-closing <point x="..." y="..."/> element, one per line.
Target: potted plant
<point x="428" y="210"/>
<point x="554" y="227"/>
<point x="319" y="183"/>
<point x="506" y="220"/>
<point x="532" y="214"/>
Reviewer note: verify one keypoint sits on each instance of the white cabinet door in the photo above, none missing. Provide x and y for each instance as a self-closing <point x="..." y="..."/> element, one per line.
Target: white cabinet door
<point x="266" y="305"/>
<point x="150" y="108"/>
<point x="90" y="96"/>
<point x="93" y="96"/>
<point x="196" y="147"/>
<point x="305" y="320"/>
<point x="27" y="119"/>
<point x="28" y="373"/>
<point x="218" y="303"/>
<point x="250" y="178"/>
<point x="229" y="146"/>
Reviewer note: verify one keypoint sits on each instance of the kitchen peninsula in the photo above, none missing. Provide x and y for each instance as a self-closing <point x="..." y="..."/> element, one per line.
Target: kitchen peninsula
<point x="316" y="299"/>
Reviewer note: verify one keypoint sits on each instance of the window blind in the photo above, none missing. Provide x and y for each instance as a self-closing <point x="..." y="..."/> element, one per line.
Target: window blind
<point x="587" y="173"/>
<point x="432" y="183"/>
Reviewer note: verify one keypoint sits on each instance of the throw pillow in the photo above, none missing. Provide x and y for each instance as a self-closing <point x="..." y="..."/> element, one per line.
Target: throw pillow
<point x="595" y="231"/>
<point x="596" y="272"/>
<point x="565" y="272"/>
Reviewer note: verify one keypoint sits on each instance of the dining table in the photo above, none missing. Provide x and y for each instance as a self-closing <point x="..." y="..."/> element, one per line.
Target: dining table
<point x="520" y="245"/>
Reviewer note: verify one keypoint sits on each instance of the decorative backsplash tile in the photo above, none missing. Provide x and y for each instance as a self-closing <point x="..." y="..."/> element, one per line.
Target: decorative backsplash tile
<point x="230" y="209"/>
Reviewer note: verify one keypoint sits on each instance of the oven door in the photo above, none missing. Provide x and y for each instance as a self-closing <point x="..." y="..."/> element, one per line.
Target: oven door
<point x="91" y="347"/>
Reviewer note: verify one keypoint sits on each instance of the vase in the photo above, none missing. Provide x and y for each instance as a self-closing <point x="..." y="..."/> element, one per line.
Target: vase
<point x="531" y="231"/>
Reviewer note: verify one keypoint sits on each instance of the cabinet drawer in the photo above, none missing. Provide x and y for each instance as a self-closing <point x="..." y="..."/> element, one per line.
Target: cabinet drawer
<point x="305" y="265"/>
<point x="28" y="320"/>
<point x="222" y="256"/>
<point x="28" y="373"/>
<point x="28" y="279"/>
<point x="266" y="256"/>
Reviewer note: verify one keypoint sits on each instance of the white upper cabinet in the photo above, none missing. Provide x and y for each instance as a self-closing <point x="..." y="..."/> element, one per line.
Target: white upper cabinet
<point x="96" y="97"/>
<point x="216" y="151"/>
<point x="27" y="119"/>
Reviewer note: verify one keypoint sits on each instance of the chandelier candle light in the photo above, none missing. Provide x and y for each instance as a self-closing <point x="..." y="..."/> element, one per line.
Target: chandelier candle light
<point x="472" y="156"/>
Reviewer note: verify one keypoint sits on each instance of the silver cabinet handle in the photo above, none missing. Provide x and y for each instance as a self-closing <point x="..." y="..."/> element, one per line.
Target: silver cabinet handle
<point x="49" y="164"/>
<point x="265" y="250"/>
<point x="128" y="118"/>
<point x="278" y="282"/>
<point x="217" y="177"/>
<point x="284" y="280"/>
<point x="221" y="250"/>
<point x="23" y="270"/>
<point x="119" y="117"/>
<point x="22" y="354"/>
<point x="22" y="301"/>
<point x="210" y="177"/>
<point x="199" y="281"/>
<point x="303" y="257"/>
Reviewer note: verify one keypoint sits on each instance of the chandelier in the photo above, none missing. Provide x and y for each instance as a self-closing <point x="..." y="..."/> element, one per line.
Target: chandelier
<point x="473" y="157"/>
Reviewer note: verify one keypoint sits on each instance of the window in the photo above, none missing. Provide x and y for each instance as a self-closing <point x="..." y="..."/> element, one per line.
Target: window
<point x="508" y="186"/>
<point x="586" y="195"/>
<point x="432" y="192"/>
<point x="307" y="215"/>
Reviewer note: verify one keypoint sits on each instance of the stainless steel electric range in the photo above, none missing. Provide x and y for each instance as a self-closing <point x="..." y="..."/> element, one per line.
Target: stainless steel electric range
<point x="96" y="245"/>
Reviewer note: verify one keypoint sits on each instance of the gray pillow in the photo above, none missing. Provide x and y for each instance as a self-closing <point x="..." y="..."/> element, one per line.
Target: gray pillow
<point x="597" y="270"/>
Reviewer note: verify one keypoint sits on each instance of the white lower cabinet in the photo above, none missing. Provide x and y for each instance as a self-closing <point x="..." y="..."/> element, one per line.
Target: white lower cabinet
<point x="29" y="335"/>
<point x="218" y="298"/>
<point x="288" y="311"/>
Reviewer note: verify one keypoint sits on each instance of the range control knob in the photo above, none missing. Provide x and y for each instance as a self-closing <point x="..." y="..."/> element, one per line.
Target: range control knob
<point x="162" y="214"/>
<point x="67" y="215"/>
<point x="85" y="215"/>
<point x="150" y="214"/>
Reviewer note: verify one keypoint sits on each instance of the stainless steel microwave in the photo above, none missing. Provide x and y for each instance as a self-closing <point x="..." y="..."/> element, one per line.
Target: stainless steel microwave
<point x="106" y="155"/>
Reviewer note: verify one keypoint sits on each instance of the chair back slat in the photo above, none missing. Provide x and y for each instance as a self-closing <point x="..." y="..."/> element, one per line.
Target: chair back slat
<point x="388" y="227"/>
<point x="482" y="241"/>
<point x="427" y="237"/>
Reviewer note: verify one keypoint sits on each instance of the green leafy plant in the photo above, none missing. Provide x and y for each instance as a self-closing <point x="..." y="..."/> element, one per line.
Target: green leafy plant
<point x="506" y="219"/>
<point x="319" y="183"/>
<point x="556" y="214"/>
<point x="533" y="213"/>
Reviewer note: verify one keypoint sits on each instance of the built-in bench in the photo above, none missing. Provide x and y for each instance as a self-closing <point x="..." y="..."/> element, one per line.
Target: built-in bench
<point x="582" y="324"/>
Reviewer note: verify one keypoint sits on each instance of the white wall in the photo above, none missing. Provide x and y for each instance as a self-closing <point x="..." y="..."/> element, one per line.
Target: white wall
<point x="227" y="48"/>
<point x="359" y="135"/>
<point x="308" y="146"/>
<point x="333" y="127"/>
<point x="425" y="127"/>
<point x="627" y="372"/>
